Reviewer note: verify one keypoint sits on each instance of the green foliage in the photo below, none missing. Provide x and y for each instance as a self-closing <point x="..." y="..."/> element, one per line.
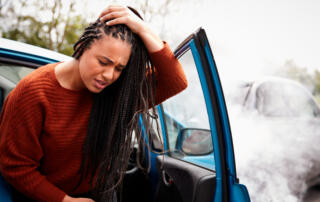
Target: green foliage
<point x="317" y="83"/>
<point x="309" y="79"/>
<point x="72" y="34"/>
<point x="58" y="31"/>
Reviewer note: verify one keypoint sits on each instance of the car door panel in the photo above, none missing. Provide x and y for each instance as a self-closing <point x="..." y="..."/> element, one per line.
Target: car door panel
<point x="183" y="181"/>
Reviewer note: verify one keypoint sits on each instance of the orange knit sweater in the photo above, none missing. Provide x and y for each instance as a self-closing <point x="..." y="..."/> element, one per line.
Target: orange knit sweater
<point x="43" y="127"/>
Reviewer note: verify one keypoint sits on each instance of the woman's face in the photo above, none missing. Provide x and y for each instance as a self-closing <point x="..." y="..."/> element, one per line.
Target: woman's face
<point x="103" y="62"/>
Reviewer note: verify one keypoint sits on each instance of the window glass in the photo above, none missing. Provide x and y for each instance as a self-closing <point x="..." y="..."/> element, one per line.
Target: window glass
<point x="186" y="119"/>
<point x="285" y="100"/>
<point x="155" y="132"/>
<point x="156" y="140"/>
<point x="10" y="75"/>
<point x="14" y="73"/>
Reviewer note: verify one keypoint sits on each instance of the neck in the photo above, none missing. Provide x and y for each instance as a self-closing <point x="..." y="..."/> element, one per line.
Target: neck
<point x="68" y="75"/>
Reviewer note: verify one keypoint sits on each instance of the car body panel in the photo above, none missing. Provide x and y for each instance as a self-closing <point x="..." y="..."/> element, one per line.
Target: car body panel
<point x="28" y="53"/>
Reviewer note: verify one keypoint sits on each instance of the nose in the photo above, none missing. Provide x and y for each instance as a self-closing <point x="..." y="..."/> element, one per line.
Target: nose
<point x="108" y="74"/>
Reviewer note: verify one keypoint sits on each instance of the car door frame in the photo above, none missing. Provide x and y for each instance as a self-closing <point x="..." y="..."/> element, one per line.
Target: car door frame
<point x="227" y="183"/>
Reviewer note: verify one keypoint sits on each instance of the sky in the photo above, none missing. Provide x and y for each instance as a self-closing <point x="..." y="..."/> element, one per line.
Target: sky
<point x="250" y="39"/>
<point x="259" y="36"/>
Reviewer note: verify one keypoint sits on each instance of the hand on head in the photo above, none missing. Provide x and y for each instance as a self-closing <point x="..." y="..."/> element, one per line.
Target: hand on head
<point x="122" y="15"/>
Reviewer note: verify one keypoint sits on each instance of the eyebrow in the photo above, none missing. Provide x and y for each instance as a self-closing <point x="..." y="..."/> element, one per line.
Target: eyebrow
<point x="110" y="61"/>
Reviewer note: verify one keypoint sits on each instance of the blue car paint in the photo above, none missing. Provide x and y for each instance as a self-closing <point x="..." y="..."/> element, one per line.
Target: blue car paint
<point x="206" y="161"/>
<point x="5" y="195"/>
<point x="162" y="123"/>
<point x="238" y="192"/>
<point x="26" y="57"/>
<point x="223" y="113"/>
<point x="216" y="151"/>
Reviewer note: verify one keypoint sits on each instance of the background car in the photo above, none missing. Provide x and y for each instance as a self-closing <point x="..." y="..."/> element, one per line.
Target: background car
<point x="280" y="97"/>
<point x="276" y="124"/>
<point x="175" y="175"/>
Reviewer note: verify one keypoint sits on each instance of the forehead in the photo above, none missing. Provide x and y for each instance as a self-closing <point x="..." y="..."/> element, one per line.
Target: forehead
<point x="111" y="47"/>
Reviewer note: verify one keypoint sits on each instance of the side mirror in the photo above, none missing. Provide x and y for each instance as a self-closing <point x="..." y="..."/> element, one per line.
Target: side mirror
<point x="194" y="141"/>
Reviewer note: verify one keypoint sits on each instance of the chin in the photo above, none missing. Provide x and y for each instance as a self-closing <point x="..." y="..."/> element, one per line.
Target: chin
<point x="95" y="90"/>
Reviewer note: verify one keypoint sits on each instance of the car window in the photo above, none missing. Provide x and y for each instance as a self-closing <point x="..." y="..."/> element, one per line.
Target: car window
<point x="285" y="100"/>
<point x="186" y="119"/>
<point x="10" y="75"/>
<point x="156" y="140"/>
<point x="14" y="73"/>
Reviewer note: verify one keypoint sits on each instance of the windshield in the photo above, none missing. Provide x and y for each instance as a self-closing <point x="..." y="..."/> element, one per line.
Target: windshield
<point x="285" y="99"/>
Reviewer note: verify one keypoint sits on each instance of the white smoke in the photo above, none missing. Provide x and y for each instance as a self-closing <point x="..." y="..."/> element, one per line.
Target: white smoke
<point x="276" y="158"/>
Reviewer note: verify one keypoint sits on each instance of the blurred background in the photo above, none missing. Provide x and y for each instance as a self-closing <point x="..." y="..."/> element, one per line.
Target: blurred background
<point x="249" y="38"/>
<point x="267" y="54"/>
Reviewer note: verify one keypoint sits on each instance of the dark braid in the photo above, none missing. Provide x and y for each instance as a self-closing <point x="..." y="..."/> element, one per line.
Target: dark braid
<point x="114" y="114"/>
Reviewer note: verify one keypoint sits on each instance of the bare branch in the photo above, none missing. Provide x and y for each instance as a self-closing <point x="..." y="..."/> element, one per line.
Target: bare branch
<point x="66" y="25"/>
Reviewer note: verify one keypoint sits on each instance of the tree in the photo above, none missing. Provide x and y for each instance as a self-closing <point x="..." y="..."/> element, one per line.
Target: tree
<point x="317" y="85"/>
<point x="301" y="74"/>
<point x="48" y="24"/>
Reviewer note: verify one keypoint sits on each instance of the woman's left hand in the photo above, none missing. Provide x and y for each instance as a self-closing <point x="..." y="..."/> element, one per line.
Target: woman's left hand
<point x="123" y="15"/>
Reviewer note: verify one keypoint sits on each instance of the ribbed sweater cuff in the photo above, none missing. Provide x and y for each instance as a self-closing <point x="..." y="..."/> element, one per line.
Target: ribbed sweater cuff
<point x="169" y="70"/>
<point x="45" y="191"/>
<point x="154" y="56"/>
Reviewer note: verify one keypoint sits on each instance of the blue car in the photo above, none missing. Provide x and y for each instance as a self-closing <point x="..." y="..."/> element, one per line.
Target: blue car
<point x="193" y="159"/>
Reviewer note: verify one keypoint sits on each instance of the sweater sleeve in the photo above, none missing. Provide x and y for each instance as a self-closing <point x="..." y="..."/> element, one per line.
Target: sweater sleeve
<point x="21" y="122"/>
<point x="170" y="76"/>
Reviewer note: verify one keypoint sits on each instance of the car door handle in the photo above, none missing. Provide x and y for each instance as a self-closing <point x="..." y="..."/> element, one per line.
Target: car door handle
<point x="167" y="180"/>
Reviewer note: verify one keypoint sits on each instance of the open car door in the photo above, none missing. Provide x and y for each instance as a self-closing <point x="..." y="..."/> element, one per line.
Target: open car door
<point x="198" y="162"/>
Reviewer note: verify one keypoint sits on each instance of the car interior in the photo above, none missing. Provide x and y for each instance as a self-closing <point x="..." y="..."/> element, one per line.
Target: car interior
<point x="172" y="180"/>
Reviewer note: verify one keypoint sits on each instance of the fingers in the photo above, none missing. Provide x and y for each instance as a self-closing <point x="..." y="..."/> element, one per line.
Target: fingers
<point x="112" y="8"/>
<point x="113" y="15"/>
<point x="122" y="15"/>
<point x="121" y="20"/>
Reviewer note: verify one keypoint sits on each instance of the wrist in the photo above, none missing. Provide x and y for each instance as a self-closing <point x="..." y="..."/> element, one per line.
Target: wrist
<point x="152" y="42"/>
<point x="67" y="199"/>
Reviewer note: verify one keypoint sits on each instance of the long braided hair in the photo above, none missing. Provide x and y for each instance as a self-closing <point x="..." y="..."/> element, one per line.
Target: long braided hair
<point x="114" y="114"/>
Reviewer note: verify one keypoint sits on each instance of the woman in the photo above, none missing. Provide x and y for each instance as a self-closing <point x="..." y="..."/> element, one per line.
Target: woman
<point x="66" y="128"/>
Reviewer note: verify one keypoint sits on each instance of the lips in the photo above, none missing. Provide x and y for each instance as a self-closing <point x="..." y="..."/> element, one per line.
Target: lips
<point x="100" y="84"/>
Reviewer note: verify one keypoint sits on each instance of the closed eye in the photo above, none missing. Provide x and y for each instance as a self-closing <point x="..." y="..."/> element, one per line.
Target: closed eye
<point x="119" y="69"/>
<point x="102" y="63"/>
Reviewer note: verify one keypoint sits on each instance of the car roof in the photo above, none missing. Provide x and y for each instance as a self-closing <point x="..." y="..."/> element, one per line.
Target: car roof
<point x="31" y="49"/>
